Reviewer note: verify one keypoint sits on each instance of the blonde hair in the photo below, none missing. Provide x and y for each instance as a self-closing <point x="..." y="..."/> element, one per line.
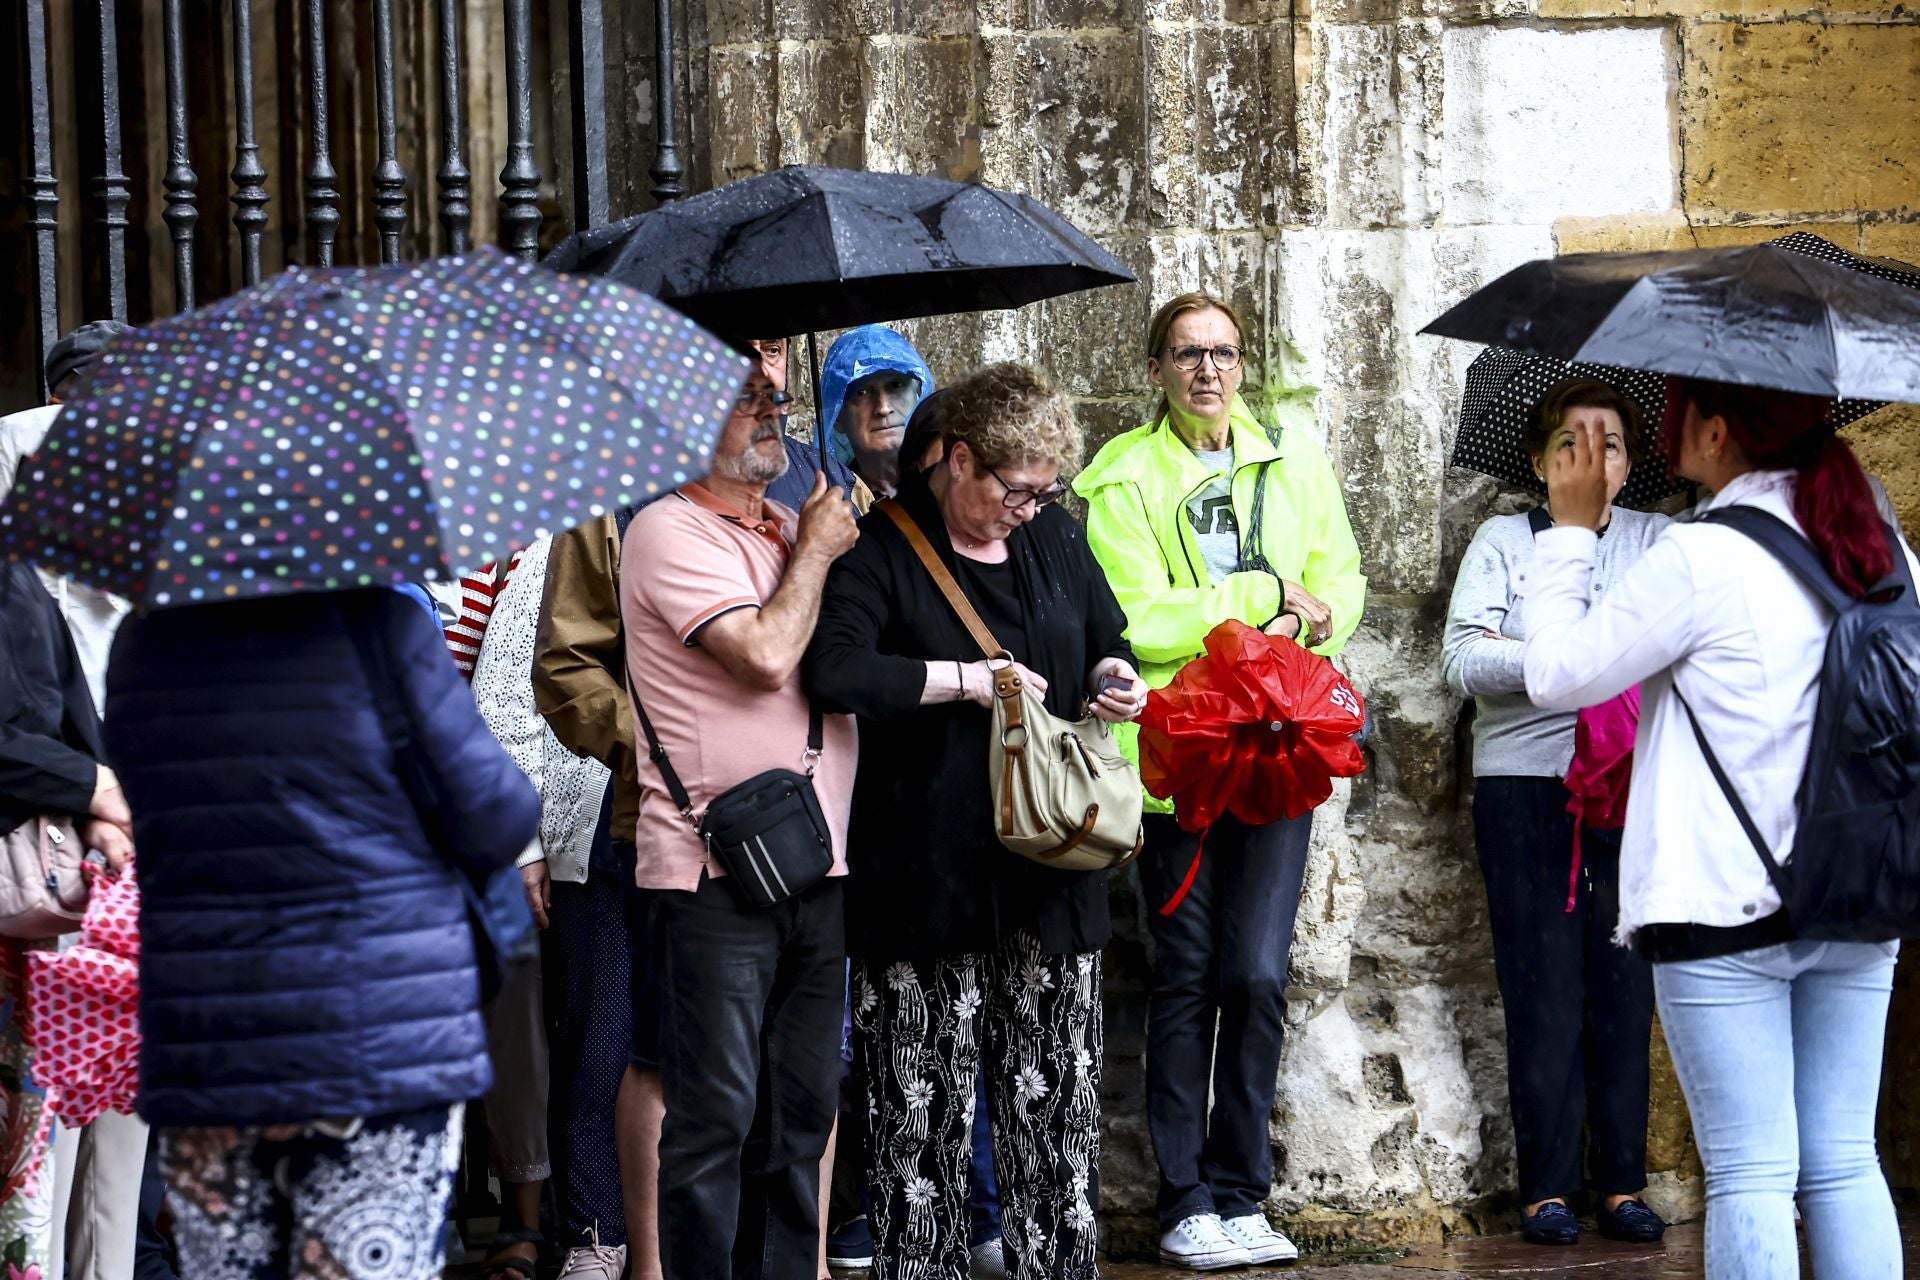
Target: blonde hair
<point x="1009" y="413"/>
<point x="1162" y="324"/>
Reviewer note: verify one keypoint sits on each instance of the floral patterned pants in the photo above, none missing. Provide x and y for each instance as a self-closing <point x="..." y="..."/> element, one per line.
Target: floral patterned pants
<point x="354" y="1200"/>
<point x="923" y="1030"/>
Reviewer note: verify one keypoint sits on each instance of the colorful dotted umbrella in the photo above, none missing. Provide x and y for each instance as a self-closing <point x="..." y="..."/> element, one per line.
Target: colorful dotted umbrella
<point x="348" y="428"/>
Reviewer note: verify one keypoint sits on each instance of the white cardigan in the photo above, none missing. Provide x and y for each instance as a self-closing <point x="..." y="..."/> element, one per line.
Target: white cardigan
<point x="571" y="788"/>
<point x="1710" y="610"/>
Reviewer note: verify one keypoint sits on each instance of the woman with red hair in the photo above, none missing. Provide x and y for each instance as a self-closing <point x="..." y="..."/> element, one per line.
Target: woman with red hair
<point x="1777" y="1040"/>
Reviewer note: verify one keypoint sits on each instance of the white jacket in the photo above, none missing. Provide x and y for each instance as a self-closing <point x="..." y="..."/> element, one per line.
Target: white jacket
<point x="1712" y="611"/>
<point x="571" y="788"/>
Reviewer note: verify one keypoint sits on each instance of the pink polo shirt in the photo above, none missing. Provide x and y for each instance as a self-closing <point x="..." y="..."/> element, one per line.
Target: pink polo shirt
<point x="688" y="559"/>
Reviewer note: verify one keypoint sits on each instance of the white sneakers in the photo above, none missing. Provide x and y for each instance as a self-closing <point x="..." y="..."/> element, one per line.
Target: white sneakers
<point x="594" y="1261"/>
<point x="1257" y="1236"/>
<point x="1204" y="1242"/>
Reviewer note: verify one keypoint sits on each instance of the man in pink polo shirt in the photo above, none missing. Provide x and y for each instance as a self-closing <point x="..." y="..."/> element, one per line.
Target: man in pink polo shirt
<point x="719" y="592"/>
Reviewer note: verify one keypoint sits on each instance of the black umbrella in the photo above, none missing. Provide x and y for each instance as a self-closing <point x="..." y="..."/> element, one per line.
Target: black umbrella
<point x="356" y="428"/>
<point x="806" y="248"/>
<point x="1504" y="388"/>
<point x="1758" y="315"/>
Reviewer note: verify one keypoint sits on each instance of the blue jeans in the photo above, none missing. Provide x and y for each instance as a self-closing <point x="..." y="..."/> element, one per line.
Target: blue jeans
<point x="1778" y="1050"/>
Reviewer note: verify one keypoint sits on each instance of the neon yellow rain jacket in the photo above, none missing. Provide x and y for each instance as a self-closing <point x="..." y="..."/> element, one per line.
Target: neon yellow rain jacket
<point x="1136" y="490"/>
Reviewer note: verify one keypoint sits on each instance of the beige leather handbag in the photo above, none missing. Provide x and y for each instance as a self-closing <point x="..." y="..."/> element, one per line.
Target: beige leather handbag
<point x="42" y="891"/>
<point x="1063" y="795"/>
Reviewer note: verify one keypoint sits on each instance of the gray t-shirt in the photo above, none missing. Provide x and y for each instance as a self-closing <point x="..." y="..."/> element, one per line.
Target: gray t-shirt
<point x="1210" y="512"/>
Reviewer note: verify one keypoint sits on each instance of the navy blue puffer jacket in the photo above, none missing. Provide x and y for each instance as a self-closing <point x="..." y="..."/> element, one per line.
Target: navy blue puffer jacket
<point x="305" y="950"/>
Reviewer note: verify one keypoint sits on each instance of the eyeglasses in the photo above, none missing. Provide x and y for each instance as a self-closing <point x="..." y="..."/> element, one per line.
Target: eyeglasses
<point x="748" y="401"/>
<point x="1021" y="497"/>
<point x="1226" y="357"/>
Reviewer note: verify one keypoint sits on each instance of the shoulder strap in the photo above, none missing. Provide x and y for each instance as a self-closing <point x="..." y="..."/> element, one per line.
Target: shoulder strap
<point x="1786" y="546"/>
<point x="1251" y="556"/>
<point x="943" y="579"/>
<point x="395" y="725"/>
<point x="1747" y="823"/>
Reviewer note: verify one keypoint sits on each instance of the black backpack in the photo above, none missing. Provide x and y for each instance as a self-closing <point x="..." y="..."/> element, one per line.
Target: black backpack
<point x="1854" y="871"/>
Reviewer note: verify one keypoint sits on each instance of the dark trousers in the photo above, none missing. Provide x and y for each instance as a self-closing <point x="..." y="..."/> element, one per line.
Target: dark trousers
<point x="750" y="1011"/>
<point x="585" y="963"/>
<point x="1579" y="1009"/>
<point x="1217" y="1010"/>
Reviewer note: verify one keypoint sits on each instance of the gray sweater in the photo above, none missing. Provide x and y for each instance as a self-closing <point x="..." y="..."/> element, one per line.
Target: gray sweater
<point x="1512" y="737"/>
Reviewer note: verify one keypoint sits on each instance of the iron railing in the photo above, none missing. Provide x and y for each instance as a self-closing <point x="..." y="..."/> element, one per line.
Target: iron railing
<point x="303" y="81"/>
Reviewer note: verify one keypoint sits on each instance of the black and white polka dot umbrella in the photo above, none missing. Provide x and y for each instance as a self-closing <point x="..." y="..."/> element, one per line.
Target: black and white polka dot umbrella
<point x="1505" y="385"/>
<point x="1504" y="390"/>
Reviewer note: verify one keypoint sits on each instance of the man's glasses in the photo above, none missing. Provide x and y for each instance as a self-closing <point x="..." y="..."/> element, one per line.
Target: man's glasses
<point x="1226" y="357"/>
<point x="1021" y="497"/>
<point x="748" y="401"/>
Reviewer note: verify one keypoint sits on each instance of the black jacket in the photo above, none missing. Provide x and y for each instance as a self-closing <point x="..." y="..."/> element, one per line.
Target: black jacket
<point x="928" y="875"/>
<point x="49" y="733"/>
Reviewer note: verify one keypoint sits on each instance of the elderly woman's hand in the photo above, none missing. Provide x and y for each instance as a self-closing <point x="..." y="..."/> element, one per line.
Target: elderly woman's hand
<point x="111" y="840"/>
<point x="1115" y="704"/>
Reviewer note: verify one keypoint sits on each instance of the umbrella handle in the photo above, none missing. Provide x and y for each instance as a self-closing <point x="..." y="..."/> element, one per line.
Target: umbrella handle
<point x="1180" y="894"/>
<point x="819" y="427"/>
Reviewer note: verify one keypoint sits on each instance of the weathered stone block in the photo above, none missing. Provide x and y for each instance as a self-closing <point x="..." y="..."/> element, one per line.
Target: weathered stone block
<point x="820" y="105"/>
<point x="741" y="112"/>
<point x="1382" y="117"/>
<point x="1080" y="14"/>
<point x="1741" y="10"/>
<point x="919" y="97"/>
<point x="1526" y="141"/>
<point x="737" y="22"/>
<point x="1800" y="116"/>
<point x="1063" y="122"/>
<point x="1900" y="240"/>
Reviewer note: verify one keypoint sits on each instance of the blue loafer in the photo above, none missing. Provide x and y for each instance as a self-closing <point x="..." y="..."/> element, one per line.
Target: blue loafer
<point x="1632" y="1222"/>
<point x="1554" y="1224"/>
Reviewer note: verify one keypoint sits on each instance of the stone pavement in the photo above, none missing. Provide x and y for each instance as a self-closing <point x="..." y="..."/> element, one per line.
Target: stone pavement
<point x="1678" y="1257"/>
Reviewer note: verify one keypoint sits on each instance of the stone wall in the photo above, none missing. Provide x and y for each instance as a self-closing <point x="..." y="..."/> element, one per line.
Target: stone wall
<point x="1343" y="170"/>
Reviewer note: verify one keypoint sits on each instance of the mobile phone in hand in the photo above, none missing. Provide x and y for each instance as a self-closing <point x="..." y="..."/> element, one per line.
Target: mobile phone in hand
<point x="1114" y="684"/>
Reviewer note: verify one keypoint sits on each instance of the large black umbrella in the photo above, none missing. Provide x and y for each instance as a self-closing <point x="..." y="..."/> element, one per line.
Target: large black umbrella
<point x="1504" y="388"/>
<point x="805" y="248"/>
<point x="356" y="428"/>
<point x="1758" y="315"/>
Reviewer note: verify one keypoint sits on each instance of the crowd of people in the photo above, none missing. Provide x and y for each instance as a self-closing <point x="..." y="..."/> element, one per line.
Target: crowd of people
<point x="896" y="1061"/>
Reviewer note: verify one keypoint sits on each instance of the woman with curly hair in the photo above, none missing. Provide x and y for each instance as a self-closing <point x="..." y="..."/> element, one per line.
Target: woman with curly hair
<point x="967" y="957"/>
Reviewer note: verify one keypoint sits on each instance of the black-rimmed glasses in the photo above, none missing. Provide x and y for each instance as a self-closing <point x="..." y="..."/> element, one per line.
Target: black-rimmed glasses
<point x="1021" y="497"/>
<point x="1226" y="357"/>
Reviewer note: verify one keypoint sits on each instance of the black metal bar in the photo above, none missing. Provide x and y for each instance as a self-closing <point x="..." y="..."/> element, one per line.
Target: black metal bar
<point x="389" y="179"/>
<point x="667" y="171"/>
<point x="43" y="189"/>
<point x="179" y="180"/>
<point x="456" y="214"/>
<point x="114" y="188"/>
<point x="249" y="176"/>
<point x="323" y="196"/>
<point x="519" y="178"/>
<point x="586" y="56"/>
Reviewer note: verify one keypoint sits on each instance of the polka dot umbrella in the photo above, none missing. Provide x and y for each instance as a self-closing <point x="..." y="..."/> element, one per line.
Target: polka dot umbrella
<point x="348" y="428"/>
<point x="1504" y="389"/>
<point x="1504" y="386"/>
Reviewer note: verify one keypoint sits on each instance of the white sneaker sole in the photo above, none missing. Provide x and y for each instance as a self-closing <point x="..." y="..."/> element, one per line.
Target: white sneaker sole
<point x="1275" y="1253"/>
<point x="1216" y="1261"/>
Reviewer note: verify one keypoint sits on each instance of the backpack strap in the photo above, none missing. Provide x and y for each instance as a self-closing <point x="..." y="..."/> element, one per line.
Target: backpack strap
<point x="1747" y="823"/>
<point x="1252" y="558"/>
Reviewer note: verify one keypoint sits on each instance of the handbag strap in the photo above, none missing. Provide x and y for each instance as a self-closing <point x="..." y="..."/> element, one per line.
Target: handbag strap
<point x="1251" y="557"/>
<point x="943" y="578"/>
<point x="396" y="726"/>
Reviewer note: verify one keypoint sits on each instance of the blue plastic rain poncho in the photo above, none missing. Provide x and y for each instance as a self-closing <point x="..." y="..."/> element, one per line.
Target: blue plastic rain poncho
<point x="860" y="353"/>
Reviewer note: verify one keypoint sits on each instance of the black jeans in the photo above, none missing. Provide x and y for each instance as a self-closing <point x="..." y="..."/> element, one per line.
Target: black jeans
<point x="1220" y="964"/>
<point x="1579" y="1009"/>
<point x="750" y="1009"/>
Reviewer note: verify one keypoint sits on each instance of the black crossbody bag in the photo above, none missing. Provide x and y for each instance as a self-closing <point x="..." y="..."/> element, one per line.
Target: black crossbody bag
<point x="768" y="833"/>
